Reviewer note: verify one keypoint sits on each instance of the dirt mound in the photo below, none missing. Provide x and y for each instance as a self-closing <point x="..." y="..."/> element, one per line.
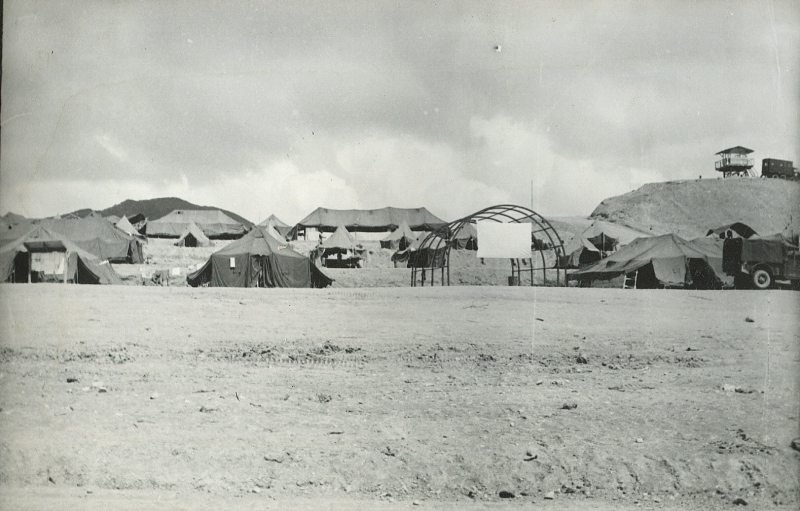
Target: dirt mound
<point x="691" y="208"/>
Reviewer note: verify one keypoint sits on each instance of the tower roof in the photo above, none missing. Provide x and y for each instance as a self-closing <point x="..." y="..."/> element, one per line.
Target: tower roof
<point x="736" y="150"/>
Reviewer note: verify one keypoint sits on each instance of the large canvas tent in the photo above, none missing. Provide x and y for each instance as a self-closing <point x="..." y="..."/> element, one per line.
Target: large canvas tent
<point x="368" y="220"/>
<point x="192" y="236"/>
<point x="214" y="223"/>
<point x="661" y="261"/>
<point x="42" y="255"/>
<point x="400" y="238"/>
<point x="258" y="260"/>
<point x="99" y="237"/>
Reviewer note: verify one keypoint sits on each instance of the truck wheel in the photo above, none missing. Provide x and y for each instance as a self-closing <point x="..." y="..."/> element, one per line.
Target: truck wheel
<point x="762" y="279"/>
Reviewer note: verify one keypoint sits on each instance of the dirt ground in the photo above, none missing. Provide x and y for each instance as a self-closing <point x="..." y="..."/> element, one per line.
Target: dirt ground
<point x="122" y="397"/>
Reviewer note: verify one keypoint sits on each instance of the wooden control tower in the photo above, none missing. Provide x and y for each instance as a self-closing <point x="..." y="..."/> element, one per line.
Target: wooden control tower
<point x="735" y="162"/>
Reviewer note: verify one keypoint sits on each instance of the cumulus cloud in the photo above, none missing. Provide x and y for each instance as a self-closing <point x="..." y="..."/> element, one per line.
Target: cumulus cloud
<point x="366" y="105"/>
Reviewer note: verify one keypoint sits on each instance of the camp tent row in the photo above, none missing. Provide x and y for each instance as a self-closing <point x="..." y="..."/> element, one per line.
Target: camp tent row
<point x="258" y="259"/>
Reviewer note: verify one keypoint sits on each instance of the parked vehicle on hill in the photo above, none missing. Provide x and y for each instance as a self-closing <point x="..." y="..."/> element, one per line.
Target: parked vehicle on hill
<point x="782" y="169"/>
<point x="761" y="263"/>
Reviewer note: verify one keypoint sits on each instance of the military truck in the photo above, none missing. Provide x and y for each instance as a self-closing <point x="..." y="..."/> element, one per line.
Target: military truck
<point x="761" y="263"/>
<point x="781" y="169"/>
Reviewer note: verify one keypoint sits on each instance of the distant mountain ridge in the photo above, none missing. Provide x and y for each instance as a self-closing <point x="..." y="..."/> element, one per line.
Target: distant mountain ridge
<point x="154" y="209"/>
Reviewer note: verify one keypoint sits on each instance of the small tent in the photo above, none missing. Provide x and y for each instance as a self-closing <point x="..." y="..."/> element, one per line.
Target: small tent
<point x="258" y="260"/>
<point x="279" y="226"/>
<point x="400" y="238"/>
<point x="466" y="238"/>
<point x="431" y="256"/>
<point x="340" y="250"/>
<point x="192" y="236"/>
<point x="125" y="226"/>
<point x="660" y="261"/>
<point x="45" y="256"/>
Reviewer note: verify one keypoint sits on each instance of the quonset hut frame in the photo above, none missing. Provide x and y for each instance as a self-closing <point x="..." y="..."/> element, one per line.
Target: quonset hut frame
<point x="433" y="252"/>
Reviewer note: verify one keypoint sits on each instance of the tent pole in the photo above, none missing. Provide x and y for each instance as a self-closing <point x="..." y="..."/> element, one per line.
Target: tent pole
<point x="66" y="259"/>
<point x="531" y="263"/>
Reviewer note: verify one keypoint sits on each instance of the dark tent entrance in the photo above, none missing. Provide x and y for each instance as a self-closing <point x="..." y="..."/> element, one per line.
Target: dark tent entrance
<point x="190" y="241"/>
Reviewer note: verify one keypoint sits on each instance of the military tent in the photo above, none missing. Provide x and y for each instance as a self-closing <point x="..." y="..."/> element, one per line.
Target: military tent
<point x="42" y="255"/>
<point x="400" y="238"/>
<point x="192" y="236"/>
<point x="97" y="236"/>
<point x="258" y="260"/>
<point x="127" y="227"/>
<point x="214" y="223"/>
<point x="660" y="261"/>
<point x="466" y="238"/>
<point x="734" y="230"/>
<point x="368" y="220"/>
<point x="597" y="241"/>
<point x="340" y="250"/>
<point x="432" y="256"/>
<point x="276" y="223"/>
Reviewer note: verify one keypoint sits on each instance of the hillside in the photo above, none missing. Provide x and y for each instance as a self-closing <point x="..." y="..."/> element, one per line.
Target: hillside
<point x="691" y="208"/>
<point x="156" y="208"/>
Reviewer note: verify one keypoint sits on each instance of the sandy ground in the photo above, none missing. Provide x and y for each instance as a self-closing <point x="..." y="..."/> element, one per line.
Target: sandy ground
<point x="397" y="398"/>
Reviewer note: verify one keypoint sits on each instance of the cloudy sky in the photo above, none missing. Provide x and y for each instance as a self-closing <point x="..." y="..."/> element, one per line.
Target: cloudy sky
<point x="281" y="107"/>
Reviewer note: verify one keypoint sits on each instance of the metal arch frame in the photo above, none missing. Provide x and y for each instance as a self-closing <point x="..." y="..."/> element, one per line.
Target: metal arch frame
<point x="513" y="214"/>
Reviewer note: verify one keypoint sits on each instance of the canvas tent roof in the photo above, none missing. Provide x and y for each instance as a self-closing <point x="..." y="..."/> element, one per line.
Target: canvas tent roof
<point x="599" y="236"/>
<point x="340" y="239"/>
<point x="258" y="260"/>
<point x="743" y="230"/>
<point x="214" y="224"/>
<point x="466" y="237"/>
<point x="275" y="221"/>
<point x="370" y="220"/>
<point x="669" y="255"/>
<point x="127" y="227"/>
<point x="601" y="232"/>
<point x="280" y="227"/>
<point x="97" y="236"/>
<point x="82" y="267"/>
<point x="194" y="231"/>
<point x="403" y="235"/>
